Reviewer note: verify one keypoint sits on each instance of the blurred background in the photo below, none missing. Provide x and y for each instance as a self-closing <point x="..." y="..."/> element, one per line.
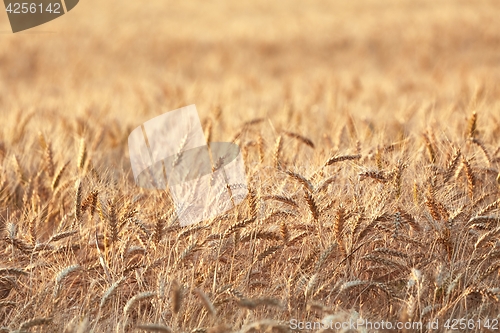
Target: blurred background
<point x="130" y="61"/>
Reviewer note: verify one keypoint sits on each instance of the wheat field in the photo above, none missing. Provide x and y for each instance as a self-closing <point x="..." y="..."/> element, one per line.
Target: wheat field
<point x="370" y="132"/>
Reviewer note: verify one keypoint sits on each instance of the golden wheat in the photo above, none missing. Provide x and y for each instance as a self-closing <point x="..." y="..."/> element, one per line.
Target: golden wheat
<point x="372" y="183"/>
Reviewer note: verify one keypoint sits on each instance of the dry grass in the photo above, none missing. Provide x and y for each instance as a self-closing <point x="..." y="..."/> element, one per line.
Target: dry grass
<point x="370" y="134"/>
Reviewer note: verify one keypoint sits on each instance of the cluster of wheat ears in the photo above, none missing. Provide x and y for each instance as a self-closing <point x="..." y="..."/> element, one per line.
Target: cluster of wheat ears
<point x="406" y="231"/>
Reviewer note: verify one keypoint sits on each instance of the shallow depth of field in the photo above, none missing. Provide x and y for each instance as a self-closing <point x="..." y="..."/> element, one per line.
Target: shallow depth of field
<point x="371" y="137"/>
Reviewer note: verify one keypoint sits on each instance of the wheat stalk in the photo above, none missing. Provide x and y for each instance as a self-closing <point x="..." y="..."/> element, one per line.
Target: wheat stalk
<point x="471" y="179"/>
<point x="27" y="325"/>
<point x="57" y="176"/>
<point x="336" y="159"/>
<point x="154" y="328"/>
<point x="301" y="138"/>
<point x="277" y="152"/>
<point x="62" y="276"/>
<point x="176" y="297"/>
<point x="110" y="291"/>
<point x="206" y="302"/>
<point x="478" y="143"/>
<point x="311" y="203"/>
<point x="131" y="303"/>
<point x="82" y="154"/>
<point x="471" y="129"/>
